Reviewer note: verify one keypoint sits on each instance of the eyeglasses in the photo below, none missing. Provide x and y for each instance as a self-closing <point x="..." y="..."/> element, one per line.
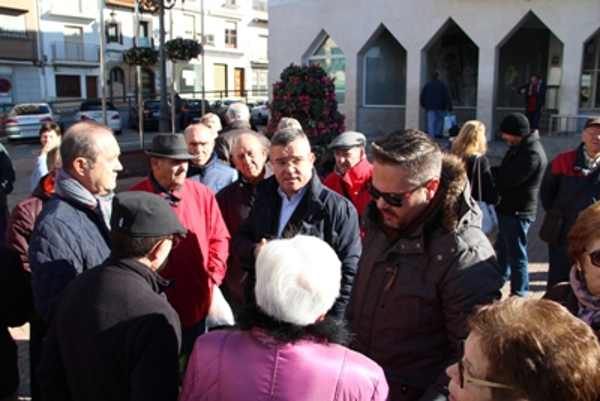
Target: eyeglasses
<point x="463" y="378"/>
<point x="595" y="257"/>
<point x="391" y="198"/>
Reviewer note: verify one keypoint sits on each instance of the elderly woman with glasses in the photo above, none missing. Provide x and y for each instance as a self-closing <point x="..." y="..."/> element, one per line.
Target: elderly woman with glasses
<point x="288" y="349"/>
<point x="581" y="295"/>
<point x="527" y="350"/>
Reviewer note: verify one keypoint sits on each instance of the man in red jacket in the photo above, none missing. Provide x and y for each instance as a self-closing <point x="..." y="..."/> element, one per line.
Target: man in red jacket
<point x="353" y="171"/>
<point x="200" y="261"/>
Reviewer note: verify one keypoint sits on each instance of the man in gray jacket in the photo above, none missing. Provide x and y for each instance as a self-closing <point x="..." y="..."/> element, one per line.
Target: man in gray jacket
<point x="425" y="265"/>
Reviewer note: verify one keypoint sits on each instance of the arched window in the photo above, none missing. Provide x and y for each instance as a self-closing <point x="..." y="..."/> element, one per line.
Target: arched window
<point x="331" y="58"/>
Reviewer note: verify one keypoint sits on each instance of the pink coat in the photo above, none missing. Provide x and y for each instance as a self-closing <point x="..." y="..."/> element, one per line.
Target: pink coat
<point x="251" y="366"/>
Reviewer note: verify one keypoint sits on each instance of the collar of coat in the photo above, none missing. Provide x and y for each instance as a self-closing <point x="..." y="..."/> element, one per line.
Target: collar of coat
<point x="451" y="207"/>
<point x="158" y="283"/>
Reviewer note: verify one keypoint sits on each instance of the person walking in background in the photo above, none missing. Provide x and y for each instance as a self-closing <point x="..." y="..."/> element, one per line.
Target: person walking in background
<point x="518" y="179"/>
<point x="50" y="135"/>
<point x="435" y="99"/>
<point x="114" y="335"/>
<point x="534" y="93"/>
<point x="291" y="350"/>
<point x="571" y="183"/>
<point x="352" y="172"/>
<point x="425" y="265"/>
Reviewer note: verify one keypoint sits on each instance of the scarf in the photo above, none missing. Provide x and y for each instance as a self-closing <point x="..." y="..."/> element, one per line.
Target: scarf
<point x="589" y="305"/>
<point x="69" y="188"/>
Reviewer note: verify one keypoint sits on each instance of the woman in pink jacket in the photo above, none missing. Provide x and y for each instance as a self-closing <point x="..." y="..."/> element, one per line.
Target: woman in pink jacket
<point x="286" y="350"/>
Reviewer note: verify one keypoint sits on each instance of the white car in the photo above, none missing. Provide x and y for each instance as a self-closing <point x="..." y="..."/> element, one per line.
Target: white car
<point x="92" y="110"/>
<point x="25" y="120"/>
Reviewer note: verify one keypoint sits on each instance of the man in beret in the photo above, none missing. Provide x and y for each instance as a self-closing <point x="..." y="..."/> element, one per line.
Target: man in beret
<point x="200" y="261"/>
<point x="353" y="171"/>
<point x="518" y="179"/>
<point x="114" y="336"/>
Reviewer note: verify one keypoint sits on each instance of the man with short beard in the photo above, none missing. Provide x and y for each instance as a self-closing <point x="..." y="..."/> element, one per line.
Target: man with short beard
<point x="200" y="261"/>
<point x="425" y="265"/>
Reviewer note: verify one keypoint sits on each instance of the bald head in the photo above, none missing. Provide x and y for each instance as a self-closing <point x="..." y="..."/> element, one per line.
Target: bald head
<point x="200" y="141"/>
<point x="90" y="154"/>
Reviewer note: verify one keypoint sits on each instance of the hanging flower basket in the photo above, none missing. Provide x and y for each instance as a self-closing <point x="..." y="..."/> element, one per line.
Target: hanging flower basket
<point x="183" y="49"/>
<point x="144" y="56"/>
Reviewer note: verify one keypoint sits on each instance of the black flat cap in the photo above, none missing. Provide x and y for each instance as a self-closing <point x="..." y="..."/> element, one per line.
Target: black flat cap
<point x="169" y="146"/>
<point x="144" y="214"/>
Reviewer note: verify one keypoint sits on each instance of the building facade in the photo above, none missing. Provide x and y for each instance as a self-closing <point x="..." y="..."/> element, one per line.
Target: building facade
<point x="20" y="80"/>
<point x="382" y="53"/>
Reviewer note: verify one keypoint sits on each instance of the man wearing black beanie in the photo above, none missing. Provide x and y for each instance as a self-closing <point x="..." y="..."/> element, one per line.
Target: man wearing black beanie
<point x="518" y="179"/>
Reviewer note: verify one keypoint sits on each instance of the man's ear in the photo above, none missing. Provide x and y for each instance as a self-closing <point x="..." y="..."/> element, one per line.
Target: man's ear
<point x="80" y="166"/>
<point x="432" y="187"/>
<point x="312" y="157"/>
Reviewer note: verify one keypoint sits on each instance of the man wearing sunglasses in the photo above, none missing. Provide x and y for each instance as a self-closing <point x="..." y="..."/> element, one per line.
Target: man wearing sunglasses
<point x="425" y="264"/>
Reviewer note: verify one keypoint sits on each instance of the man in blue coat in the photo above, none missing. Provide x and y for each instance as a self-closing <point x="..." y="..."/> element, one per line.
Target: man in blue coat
<point x="435" y="99"/>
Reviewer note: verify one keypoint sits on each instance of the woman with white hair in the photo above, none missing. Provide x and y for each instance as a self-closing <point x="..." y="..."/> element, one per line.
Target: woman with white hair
<point x="287" y="349"/>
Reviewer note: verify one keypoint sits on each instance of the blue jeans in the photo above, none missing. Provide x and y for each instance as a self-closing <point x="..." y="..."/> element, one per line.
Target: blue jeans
<point x="435" y="122"/>
<point x="511" y="251"/>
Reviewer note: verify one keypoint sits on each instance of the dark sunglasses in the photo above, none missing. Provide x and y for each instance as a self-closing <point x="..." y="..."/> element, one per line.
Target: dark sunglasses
<point x="468" y="379"/>
<point x="595" y="257"/>
<point x="391" y="198"/>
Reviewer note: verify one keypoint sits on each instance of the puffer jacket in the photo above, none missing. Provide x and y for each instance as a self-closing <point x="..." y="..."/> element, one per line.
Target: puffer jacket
<point x="412" y="296"/>
<point x="302" y="371"/>
<point x="321" y="213"/>
<point x="214" y="174"/>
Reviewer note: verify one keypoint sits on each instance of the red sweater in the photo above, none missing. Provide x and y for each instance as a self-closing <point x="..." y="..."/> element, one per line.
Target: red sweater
<point x="200" y="260"/>
<point x="353" y="184"/>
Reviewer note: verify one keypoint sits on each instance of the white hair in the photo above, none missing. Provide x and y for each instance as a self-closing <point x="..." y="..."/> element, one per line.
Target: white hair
<point x="297" y="279"/>
<point x="237" y="112"/>
<point x="212" y="121"/>
<point x="289" y="122"/>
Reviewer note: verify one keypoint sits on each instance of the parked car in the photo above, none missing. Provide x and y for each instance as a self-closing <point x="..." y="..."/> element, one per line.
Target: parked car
<point x="192" y="110"/>
<point x="92" y="110"/>
<point x="152" y="116"/>
<point x="260" y="115"/>
<point x="25" y="120"/>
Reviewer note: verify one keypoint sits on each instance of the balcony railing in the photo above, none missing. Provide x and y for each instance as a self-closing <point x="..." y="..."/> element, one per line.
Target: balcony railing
<point x="75" y="52"/>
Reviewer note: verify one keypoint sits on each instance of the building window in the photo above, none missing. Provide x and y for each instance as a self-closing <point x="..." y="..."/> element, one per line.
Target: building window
<point x="259" y="5"/>
<point x="384" y="72"/>
<point x="189" y="24"/>
<point x="113" y="33"/>
<point x="13" y="23"/>
<point x="209" y="40"/>
<point x="331" y="58"/>
<point x="589" y="95"/>
<point x="231" y="34"/>
<point x="260" y="82"/>
<point x="231" y="4"/>
<point x="144" y="34"/>
<point x="220" y="79"/>
<point x="68" y="86"/>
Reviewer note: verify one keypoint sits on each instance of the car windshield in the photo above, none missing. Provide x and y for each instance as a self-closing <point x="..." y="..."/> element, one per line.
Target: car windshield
<point x="96" y="106"/>
<point x="30" y="110"/>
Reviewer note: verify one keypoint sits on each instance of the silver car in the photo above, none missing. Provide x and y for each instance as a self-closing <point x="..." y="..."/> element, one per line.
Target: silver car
<point x="25" y="120"/>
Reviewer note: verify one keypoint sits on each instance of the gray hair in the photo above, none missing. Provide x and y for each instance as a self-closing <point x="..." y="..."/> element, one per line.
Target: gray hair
<point x="289" y="122"/>
<point x="413" y="151"/>
<point x="303" y="271"/>
<point x="81" y="140"/>
<point x="212" y="121"/>
<point x="237" y="112"/>
<point x="262" y="139"/>
<point x="286" y="136"/>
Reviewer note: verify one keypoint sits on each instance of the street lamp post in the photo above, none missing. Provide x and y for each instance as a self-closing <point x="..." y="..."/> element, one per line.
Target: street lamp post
<point x="154" y="6"/>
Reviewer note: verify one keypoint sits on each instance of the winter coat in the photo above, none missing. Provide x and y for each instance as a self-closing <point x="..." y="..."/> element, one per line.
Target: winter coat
<point x="7" y="180"/>
<point x="23" y="216"/>
<point x="569" y="187"/>
<point x="321" y="213"/>
<point x="114" y="336"/>
<point x="412" y="295"/>
<point x="68" y="239"/>
<point x="274" y="371"/>
<point x="519" y="176"/>
<point x="199" y="261"/>
<point x="489" y="193"/>
<point x="435" y="96"/>
<point x="353" y="184"/>
<point x="563" y="294"/>
<point x="215" y="174"/>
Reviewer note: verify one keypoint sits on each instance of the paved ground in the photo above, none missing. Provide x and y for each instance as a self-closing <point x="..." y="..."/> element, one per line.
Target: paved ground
<point x="24" y="153"/>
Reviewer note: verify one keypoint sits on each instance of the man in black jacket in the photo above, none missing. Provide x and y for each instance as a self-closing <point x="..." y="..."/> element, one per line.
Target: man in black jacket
<point x="518" y="180"/>
<point x="114" y="335"/>
<point x="295" y="202"/>
<point x="435" y="99"/>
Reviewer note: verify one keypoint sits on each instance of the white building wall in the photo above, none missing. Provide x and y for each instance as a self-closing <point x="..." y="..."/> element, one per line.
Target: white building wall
<point x="295" y="24"/>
